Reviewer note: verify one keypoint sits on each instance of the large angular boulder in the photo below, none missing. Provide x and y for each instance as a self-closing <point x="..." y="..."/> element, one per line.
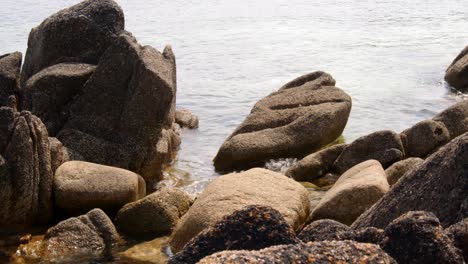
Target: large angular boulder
<point x="232" y="192"/>
<point x="400" y="168"/>
<point x="353" y="193"/>
<point x="251" y="228"/>
<point x="80" y="33"/>
<point x="299" y="118"/>
<point x="459" y="234"/>
<point x="439" y="185"/>
<point x="25" y="170"/>
<point x="10" y="65"/>
<point x="81" y="186"/>
<point x="457" y="73"/>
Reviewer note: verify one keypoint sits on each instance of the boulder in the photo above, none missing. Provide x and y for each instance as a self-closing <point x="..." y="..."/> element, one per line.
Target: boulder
<point x="318" y="78"/>
<point x="87" y="237"/>
<point x="418" y="237"/>
<point x="10" y="65"/>
<point x="186" y="119"/>
<point x="80" y="33"/>
<point x="25" y="171"/>
<point x="315" y="165"/>
<point x="251" y="228"/>
<point x="124" y="114"/>
<point x="325" y="229"/>
<point x="400" y="168"/>
<point x="384" y="146"/>
<point x="457" y="73"/>
<point x="439" y="186"/>
<point x="353" y="193"/>
<point x="58" y="153"/>
<point x="49" y="93"/>
<point x="80" y="186"/>
<point x="455" y="118"/>
<point x="424" y="138"/>
<point x="155" y="215"/>
<point x="312" y="252"/>
<point x="232" y="192"/>
<point x="459" y="234"/>
<point x="291" y="122"/>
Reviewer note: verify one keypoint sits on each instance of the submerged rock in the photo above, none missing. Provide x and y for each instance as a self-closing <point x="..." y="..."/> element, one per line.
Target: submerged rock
<point x="185" y="118"/>
<point x="10" y="65"/>
<point x="457" y="73"/>
<point x="301" y="117"/>
<point x="400" y="168"/>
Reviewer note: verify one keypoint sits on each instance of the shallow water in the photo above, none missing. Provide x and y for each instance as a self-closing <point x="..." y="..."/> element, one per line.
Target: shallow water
<point x="389" y="55"/>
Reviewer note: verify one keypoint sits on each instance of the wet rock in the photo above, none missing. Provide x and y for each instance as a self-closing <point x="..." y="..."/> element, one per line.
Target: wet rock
<point x="353" y="193"/>
<point x="384" y="146"/>
<point x="10" y="65"/>
<point x="251" y="228"/>
<point x="457" y="73"/>
<point x="80" y="186"/>
<point x="455" y="118"/>
<point x="155" y="215"/>
<point x="185" y="118"/>
<point x="232" y="192"/>
<point x="291" y="122"/>
<point x="312" y="252"/>
<point x="48" y="93"/>
<point x="400" y="168"/>
<point x="25" y="171"/>
<point x="459" y="234"/>
<point x="424" y="138"/>
<point x="418" y="237"/>
<point x="325" y="229"/>
<point x="148" y="252"/>
<point x="58" y="153"/>
<point x="315" y="165"/>
<point x="80" y="33"/>
<point x="439" y="186"/>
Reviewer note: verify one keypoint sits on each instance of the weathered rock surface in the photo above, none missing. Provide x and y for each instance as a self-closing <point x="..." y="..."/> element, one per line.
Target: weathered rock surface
<point x="58" y="153"/>
<point x="455" y="118"/>
<point x="353" y="193"/>
<point x="48" y="93"/>
<point x="439" y="186"/>
<point x="185" y="118"/>
<point x="148" y="252"/>
<point x="80" y="186"/>
<point x="251" y="228"/>
<point x="25" y="170"/>
<point x="299" y="118"/>
<point x="418" y="237"/>
<point x="324" y="229"/>
<point x="80" y="33"/>
<point x="457" y="73"/>
<point x="232" y="192"/>
<point x="155" y="215"/>
<point x="384" y="146"/>
<point x="319" y="78"/>
<point x="400" y="168"/>
<point x="312" y="252"/>
<point x="10" y="65"/>
<point x="424" y="138"/>
<point x="315" y="165"/>
<point x="459" y="234"/>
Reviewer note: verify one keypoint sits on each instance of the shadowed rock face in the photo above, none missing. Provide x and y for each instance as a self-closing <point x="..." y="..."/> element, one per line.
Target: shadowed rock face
<point x="10" y="65"/>
<point x="324" y="229"/>
<point x="400" y="168"/>
<point x="459" y="234"/>
<point x="299" y="118"/>
<point x="457" y="73"/>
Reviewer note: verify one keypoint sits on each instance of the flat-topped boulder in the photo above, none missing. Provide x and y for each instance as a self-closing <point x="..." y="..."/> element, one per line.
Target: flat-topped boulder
<point x="10" y="65"/>
<point x="457" y="73"/>
<point x="300" y="117"/>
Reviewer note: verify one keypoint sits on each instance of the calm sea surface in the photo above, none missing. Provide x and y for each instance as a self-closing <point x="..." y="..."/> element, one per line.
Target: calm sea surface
<point x="389" y="55"/>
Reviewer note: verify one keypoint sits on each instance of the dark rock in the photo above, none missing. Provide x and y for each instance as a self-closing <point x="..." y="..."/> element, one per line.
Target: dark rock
<point x="365" y="235"/>
<point x="418" y="237"/>
<point x="424" y="138"/>
<point x="439" y="186"/>
<point x="291" y="122"/>
<point x="455" y="118"/>
<point x="312" y="252"/>
<point x="400" y="168"/>
<point x="459" y="234"/>
<point x="325" y="229"/>
<point x="10" y="65"/>
<point x="252" y="228"/>
<point x="185" y="118"/>
<point x="58" y="153"/>
<point x="457" y="73"/>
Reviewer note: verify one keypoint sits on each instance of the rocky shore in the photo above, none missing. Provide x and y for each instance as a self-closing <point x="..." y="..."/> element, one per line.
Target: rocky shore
<point x="88" y="124"/>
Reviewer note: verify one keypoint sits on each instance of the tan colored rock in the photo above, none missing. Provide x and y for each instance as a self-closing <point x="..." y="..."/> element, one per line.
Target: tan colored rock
<point x="234" y="191"/>
<point x="457" y="73"/>
<point x="424" y="138"/>
<point x="185" y="118"/>
<point x="354" y="192"/>
<point x="58" y="153"/>
<point x="400" y="168"/>
<point x="455" y="118"/>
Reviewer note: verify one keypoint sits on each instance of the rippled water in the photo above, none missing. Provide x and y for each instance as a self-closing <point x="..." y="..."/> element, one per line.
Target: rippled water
<point x="389" y="55"/>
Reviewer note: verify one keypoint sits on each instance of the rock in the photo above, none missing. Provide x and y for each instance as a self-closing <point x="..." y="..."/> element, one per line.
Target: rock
<point x="155" y="215"/>
<point x="10" y="65"/>
<point x="418" y="237"/>
<point x="439" y="186"/>
<point x="49" y="93"/>
<point x="424" y="138"/>
<point x="232" y="192"/>
<point x="148" y="252"/>
<point x="384" y="146"/>
<point x="325" y="229"/>
<point x="353" y="193"/>
<point x="185" y="118"/>
<point x="400" y="168"/>
<point x="58" y="153"/>
<point x="315" y="165"/>
<point x="457" y="73"/>
<point x="459" y="234"/>
<point x="25" y="171"/>
<point x="312" y="252"/>
<point x="79" y="186"/>
<point x="124" y="114"/>
<point x="80" y="33"/>
<point x="252" y="228"/>
<point x="455" y="119"/>
<point x="365" y="235"/>
<point x="318" y="78"/>
<point x="291" y="122"/>
<point x="86" y="237"/>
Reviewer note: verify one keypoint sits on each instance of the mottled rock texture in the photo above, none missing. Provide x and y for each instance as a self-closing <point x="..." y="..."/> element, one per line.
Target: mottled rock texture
<point x="324" y="229"/>
<point x="400" y="168"/>
<point x="424" y="138"/>
<point x="10" y="65"/>
<point x="459" y="234"/>
<point x="457" y="73"/>
<point x="186" y="119"/>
